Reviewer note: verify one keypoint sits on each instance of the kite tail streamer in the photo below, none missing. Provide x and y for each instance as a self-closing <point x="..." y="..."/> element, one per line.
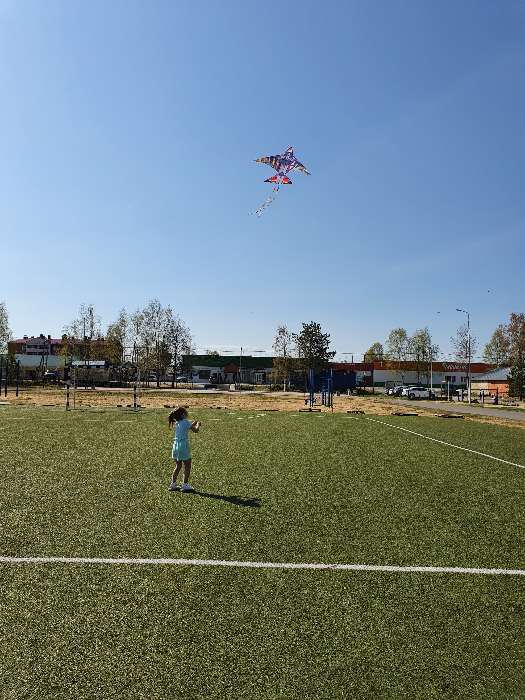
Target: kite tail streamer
<point x="260" y="210"/>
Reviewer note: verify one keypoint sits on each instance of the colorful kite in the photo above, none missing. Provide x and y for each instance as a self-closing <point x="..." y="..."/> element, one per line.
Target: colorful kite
<point x="283" y="164"/>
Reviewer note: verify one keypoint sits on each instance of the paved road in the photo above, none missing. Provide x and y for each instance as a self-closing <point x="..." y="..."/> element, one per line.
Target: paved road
<point x="457" y="407"/>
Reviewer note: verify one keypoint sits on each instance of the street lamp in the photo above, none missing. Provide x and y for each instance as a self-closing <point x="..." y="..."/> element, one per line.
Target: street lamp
<point x="469" y="392"/>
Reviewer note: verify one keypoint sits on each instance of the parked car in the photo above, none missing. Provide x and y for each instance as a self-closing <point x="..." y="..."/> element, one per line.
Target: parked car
<point x="394" y="390"/>
<point x="181" y="379"/>
<point x="50" y="376"/>
<point x="417" y="392"/>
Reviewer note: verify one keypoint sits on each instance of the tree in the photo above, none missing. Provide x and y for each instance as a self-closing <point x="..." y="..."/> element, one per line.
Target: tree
<point x="282" y="345"/>
<point x="212" y="353"/>
<point x="516" y="331"/>
<point x="397" y="347"/>
<point x="516" y="378"/>
<point x="116" y="337"/>
<point x="5" y="331"/>
<point x="81" y="333"/>
<point x="464" y="344"/>
<point x="178" y="340"/>
<point x="422" y="351"/>
<point x="497" y="350"/>
<point x="374" y="353"/>
<point x="86" y="325"/>
<point x="160" y="338"/>
<point x="150" y="323"/>
<point x="313" y="346"/>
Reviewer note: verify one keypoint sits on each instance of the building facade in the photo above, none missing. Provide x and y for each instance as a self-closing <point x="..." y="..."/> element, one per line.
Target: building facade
<point x="387" y="373"/>
<point x="493" y="382"/>
<point x="228" y="369"/>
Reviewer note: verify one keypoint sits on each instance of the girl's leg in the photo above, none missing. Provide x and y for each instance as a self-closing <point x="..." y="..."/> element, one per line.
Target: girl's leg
<point x="176" y="471"/>
<point x="187" y="470"/>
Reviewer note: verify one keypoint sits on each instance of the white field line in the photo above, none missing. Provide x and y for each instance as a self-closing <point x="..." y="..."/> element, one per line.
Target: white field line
<point x="262" y="565"/>
<point x="449" y="444"/>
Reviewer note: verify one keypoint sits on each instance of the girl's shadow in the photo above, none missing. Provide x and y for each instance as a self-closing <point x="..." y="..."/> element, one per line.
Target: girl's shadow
<point x="234" y="500"/>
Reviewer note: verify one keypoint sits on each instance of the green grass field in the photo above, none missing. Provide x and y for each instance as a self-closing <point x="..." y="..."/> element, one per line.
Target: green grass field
<point x="274" y="488"/>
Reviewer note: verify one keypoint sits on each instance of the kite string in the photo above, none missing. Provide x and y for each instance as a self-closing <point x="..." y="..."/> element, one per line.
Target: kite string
<point x="259" y="211"/>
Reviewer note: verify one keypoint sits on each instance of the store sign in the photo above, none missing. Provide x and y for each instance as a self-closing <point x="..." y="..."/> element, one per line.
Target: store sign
<point x="454" y="367"/>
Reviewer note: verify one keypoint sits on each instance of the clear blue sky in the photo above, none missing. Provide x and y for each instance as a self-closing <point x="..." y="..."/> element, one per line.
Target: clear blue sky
<point x="128" y="130"/>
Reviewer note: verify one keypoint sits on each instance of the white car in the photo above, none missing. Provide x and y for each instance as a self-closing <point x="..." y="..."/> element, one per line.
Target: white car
<point x="416" y="392"/>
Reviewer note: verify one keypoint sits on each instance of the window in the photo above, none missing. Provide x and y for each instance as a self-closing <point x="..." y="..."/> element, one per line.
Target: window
<point x="204" y="373"/>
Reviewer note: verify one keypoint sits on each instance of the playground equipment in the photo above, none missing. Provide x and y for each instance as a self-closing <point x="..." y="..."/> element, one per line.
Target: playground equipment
<point x="324" y="381"/>
<point x="310" y="400"/>
<point x="136" y="392"/>
<point x="11" y="368"/>
<point x="327" y="389"/>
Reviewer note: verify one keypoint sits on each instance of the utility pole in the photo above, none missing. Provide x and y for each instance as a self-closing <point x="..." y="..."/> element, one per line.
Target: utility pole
<point x="431" y="375"/>
<point x="240" y="369"/>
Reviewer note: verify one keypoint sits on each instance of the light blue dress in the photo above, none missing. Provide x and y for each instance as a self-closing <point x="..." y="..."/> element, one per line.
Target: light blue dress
<point x="181" y="440"/>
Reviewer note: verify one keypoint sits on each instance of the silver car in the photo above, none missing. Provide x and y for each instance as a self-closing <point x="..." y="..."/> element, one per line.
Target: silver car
<point x="416" y="392"/>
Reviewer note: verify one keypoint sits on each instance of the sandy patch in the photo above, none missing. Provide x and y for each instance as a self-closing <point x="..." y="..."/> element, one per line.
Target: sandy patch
<point x="227" y="401"/>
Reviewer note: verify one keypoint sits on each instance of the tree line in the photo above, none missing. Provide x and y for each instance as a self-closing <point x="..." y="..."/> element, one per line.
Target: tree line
<point x="153" y="338"/>
<point x="506" y="348"/>
<point x="156" y="338"/>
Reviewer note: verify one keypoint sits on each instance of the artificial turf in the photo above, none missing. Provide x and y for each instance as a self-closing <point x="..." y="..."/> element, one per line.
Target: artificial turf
<point x="279" y="487"/>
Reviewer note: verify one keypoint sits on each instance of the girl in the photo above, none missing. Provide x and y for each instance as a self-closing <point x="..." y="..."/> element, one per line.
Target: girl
<point x="181" y="446"/>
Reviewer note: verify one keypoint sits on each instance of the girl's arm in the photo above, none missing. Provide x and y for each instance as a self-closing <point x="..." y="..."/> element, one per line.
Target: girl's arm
<point x="195" y="426"/>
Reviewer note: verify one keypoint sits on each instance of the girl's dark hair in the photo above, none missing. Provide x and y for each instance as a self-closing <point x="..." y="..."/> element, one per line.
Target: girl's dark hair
<point x="177" y="415"/>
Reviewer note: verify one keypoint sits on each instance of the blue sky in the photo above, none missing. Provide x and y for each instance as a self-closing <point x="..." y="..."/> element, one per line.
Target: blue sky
<point x="128" y="131"/>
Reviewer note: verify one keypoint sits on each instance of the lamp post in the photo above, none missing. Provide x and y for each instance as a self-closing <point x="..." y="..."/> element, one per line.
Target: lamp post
<point x="469" y="392"/>
<point x="431" y="375"/>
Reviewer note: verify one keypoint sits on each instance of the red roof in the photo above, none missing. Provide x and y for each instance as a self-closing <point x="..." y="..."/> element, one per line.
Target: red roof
<point x="352" y="366"/>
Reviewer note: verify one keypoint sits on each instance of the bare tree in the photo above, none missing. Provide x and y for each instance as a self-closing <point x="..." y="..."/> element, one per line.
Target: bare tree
<point x="464" y="344"/>
<point x="422" y="351"/>
<point x="283" y="346"/>
<point x="5" y="331"/>
<point x="160" y="338"/>
<point x="178" y="340"/>
<point x="397" y="348"/>
<point x="116" y="337"/>
<point x="82" y="331"/>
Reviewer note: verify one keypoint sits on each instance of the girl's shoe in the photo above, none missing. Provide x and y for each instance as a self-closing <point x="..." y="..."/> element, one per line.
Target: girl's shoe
<point x="173" y="486"/>
<point x="186" y="488"/>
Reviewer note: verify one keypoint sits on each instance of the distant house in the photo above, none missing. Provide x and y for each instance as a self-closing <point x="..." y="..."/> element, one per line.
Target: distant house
<point x="495" y="381"/>
<point x="42" y="352"/>
<point x="36" y="353"/>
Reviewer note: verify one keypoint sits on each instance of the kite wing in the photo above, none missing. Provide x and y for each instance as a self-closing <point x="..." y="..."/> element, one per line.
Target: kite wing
<point x="273" y="161"/>
<point x="301" y="168"/>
